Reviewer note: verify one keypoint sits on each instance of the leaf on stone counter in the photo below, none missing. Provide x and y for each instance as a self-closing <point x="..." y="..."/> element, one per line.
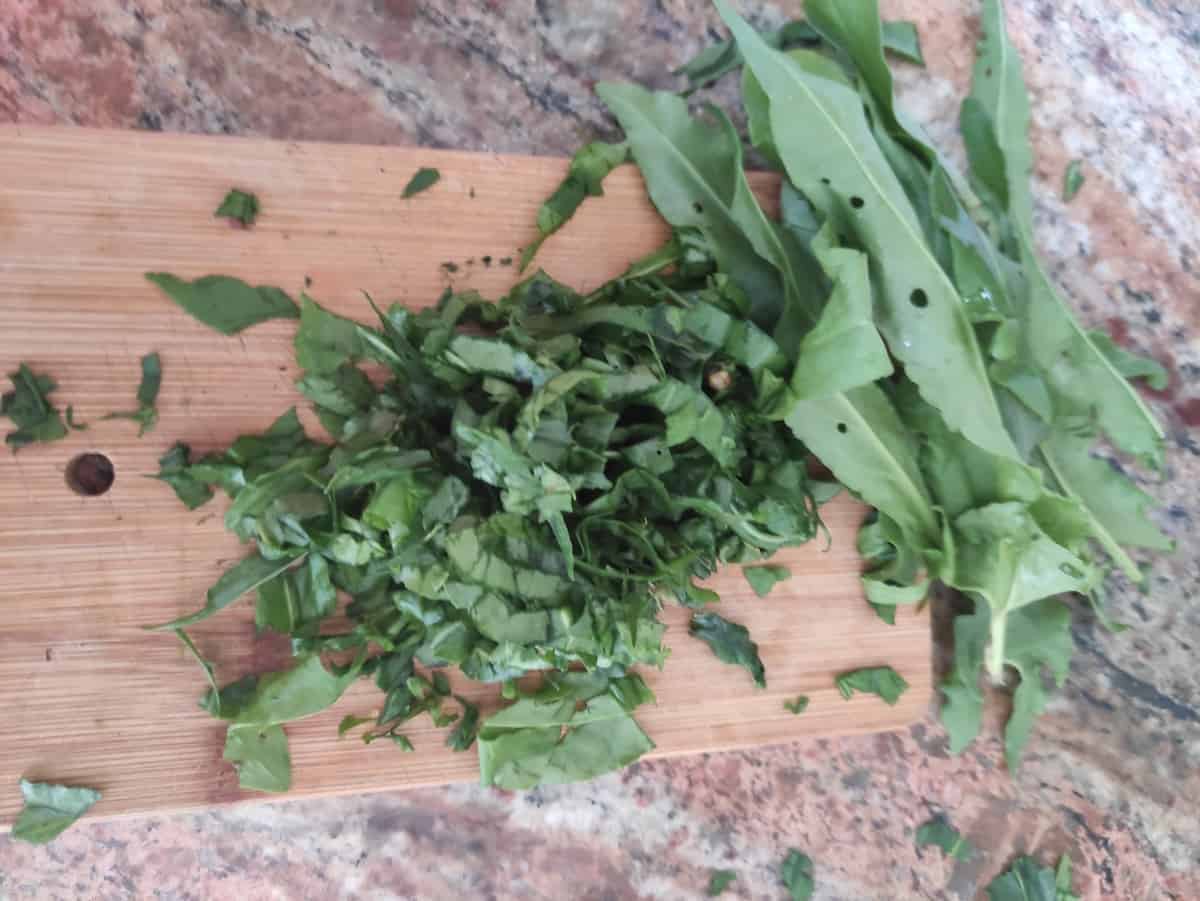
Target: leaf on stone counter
<point x="240" y="206"/>
<point x="940" y="833"/>
<point x="797" y="875"/>
<point x="1073" y="179"/>
<point x="1026" y="880"/>
<point x="719" y="880"/>
<point x="730" y="642"/>
<point x="763" y="578"/>
<point x="225" y="303"/>
<point x="1129" y="364"/>
<point x="876" y="680"/>
<point x="49" y="809"/>
<point x="28" y="406"/>
<point x="423" y="179"/>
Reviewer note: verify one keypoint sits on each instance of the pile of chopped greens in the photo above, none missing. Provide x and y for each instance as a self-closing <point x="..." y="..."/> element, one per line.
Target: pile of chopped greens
<point x="536" y="475"/>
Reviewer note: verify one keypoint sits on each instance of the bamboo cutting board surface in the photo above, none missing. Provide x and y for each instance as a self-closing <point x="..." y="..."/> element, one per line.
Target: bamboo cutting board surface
<point x="87" y="696"/>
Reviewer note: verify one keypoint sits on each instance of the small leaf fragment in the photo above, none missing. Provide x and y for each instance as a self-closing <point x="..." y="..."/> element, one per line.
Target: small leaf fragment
<point x="876" y="680"/>
<point x="730" y="642"/>
<point x="28" y="406"/>
<point x="1073" y="180"/>
<point x="146" y="415"/>
<point x="797" y="875"/>
<point x="719" y="880"/>
<point x="423" y="179"/>
<point x="225" y="303"/>
<point x="763" y="578"/>
<point x="240" y="206"/>
<point x="49" y="809"/>
<point x="940" y="833"/>
<point x="798" y="706"/>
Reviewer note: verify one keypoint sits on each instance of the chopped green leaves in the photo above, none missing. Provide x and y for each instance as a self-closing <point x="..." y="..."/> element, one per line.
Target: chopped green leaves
<point x="146" y="415"/>
<point x="797" y="875"/>
<point x="763" y="578"/>
<point x="49" y="809"/>
<point x="464" y="733"/>
<point x="225" y="303"/>
<point x="1073" y="179"/>
<point x="240" y="206"/>
<point x="719" y="880"/>
<point x="730" y="642"/>
<point x="941" y="834"/>
<point x="242" y="577"/>
<point x="28" y="406"/>
<point x="423" y="179"/>
<point x="875" y="680"/>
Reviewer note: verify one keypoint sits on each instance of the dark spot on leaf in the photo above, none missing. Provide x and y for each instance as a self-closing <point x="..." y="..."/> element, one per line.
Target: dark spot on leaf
<point x="698" y="207"/>
<point x="919" y="299"/>
<point x="90" y="474"/>
<point x="826" y="181"/>
<point x="841" y="427"/>
<point x="856" y="202"/>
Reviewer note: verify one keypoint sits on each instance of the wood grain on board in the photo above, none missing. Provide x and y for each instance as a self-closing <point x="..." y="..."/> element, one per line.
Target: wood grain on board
<point x="87" y="696"/>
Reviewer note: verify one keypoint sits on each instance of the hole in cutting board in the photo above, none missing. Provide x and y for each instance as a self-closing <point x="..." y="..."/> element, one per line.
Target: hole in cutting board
<point x="90" y="474"/>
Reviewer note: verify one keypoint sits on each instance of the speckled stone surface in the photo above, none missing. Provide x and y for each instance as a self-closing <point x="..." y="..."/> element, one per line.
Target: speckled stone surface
<point x="1112" y="776"/>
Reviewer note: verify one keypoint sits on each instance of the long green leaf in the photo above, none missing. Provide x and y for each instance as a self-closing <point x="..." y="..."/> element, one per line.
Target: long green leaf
<point x="827" y="147"/>
<point x="242" y="577"/>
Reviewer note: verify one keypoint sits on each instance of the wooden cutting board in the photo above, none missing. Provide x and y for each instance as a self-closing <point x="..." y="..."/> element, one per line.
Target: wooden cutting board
<point x="87" y="696"/>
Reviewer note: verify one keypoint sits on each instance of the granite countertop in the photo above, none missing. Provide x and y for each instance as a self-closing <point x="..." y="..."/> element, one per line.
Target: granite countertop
<point x="1112" y="775"/>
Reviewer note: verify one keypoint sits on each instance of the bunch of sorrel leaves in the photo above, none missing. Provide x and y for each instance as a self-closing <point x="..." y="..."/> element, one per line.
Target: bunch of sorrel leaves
<point x="540" y="472"/>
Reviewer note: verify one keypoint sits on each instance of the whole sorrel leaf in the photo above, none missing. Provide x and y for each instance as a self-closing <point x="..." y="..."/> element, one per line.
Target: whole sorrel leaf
<point x="423" y="179"/>
<point x="1027" y="880"/>
<point x="730" y="642"/>
<point x="240" y="206"/>
<point x="225" y="303"/>
<point x="49" y="809"/>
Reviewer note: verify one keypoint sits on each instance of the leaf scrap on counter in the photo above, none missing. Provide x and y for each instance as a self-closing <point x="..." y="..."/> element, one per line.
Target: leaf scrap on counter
<point x="146" y="415"/>
<point x="941" y="834"/>
<point x="585" y="177"/>
<point x="763" y="578"/>
<point x="797" y="706"/>
<point x="730" y="642"/>
<point x="225" y="303"/>
<point x="1073" y="179"/>
<point x="875" y="680"/>
<point x="28" y="406"/>
<point x="423" y="179"/>
<point x="1027" y="880"/>
<point x="240" y="206"/>
<point x="719" y="880"/>
<point x="49" y="809"/>
<point x="797" y="875"/>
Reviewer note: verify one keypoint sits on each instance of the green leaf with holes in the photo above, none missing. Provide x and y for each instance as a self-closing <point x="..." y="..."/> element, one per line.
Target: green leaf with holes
<point x="827" y="148"/>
